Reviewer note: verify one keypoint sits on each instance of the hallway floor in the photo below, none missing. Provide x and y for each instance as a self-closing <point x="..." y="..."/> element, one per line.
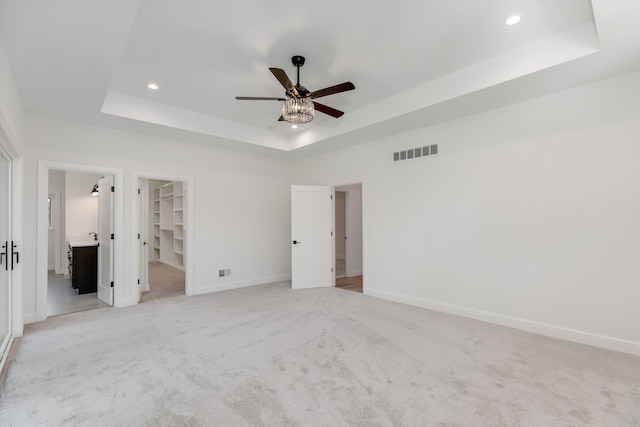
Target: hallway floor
<point x="63" y="299"/>
<point x="353" y="283"/>
<point x="350" y="283"/>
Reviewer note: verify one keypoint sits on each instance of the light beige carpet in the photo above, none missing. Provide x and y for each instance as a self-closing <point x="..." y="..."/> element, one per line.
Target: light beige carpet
<point x="271" y="356"/>
<point x="164" y="281"/>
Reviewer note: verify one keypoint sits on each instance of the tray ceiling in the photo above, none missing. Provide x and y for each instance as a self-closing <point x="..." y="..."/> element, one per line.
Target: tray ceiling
<point x="414" y="63"/>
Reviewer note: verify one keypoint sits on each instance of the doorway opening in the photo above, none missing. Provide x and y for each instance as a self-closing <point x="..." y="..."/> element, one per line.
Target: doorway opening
<point x="79" y="241"/>
<point x="348" y="241"/>
<point x="162" y="238"/>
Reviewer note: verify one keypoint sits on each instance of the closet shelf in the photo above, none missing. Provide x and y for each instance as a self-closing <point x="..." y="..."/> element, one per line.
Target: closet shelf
<point x="168" y="248"/>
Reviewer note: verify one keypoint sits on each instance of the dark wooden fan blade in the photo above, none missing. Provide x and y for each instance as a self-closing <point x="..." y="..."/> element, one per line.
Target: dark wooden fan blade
<point x="258" y="98"/>
<point x="284" y="80"/>
<point x="327" y="110"/>
<point x="331" y="90"/>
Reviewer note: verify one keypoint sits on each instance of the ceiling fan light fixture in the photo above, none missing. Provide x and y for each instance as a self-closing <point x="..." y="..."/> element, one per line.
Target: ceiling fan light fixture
<point x="298" y="110"/>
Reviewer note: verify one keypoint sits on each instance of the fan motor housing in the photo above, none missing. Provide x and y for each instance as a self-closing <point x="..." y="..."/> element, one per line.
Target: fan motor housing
<point x="302" y="91"/>
<point x="297" y="60"/>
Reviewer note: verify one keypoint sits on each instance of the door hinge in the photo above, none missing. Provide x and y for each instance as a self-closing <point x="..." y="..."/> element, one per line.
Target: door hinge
<point x="138" y="281"/>
<point x="332" y="269"/>
<point x="331" y="197"/>
<point x="138" y="191"/>
<point x="138" y="236"/>
<point x="332" y="233"/>
<point x="112" y="284"/>
<point x="112" y="237"/>
<point x="113" y="188"/>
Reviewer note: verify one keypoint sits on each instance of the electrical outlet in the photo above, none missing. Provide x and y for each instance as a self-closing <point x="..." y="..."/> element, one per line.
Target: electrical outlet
<point x="220" y="273"/>
<point x="412" y="280"/>
<point x="227" y="272"/>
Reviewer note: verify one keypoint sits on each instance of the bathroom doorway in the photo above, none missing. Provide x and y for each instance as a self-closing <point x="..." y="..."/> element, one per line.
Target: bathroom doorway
<point x="74" y="256"/>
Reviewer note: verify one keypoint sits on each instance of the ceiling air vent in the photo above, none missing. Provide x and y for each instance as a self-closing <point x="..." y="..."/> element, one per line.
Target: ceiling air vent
<point x="414" y="153"/>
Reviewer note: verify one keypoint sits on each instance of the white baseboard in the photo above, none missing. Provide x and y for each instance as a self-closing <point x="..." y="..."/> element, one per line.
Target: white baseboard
<point x="200" y="290"/>
<point x="581" y="337"/>
<point x="30" y="318"/>
<point x="126" y="302"/>
<point x="5" y="357"/>
<point x="355" y="273"/>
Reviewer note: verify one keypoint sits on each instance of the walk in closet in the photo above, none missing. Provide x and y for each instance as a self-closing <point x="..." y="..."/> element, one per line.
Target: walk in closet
<point x="168" y="224"/>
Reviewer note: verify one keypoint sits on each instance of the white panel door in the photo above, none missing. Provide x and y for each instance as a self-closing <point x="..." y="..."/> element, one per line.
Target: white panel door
<point x="6" y="257"/>
<point x="105" y="247"/>
<point x="312" y="245"/>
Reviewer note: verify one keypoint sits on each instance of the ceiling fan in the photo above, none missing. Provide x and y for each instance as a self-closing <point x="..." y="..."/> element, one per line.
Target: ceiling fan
<point x="299" y="105"/>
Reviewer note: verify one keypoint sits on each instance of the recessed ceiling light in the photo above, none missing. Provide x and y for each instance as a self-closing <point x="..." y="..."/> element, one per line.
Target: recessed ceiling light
<point x="513" y="20"/>
<point x="152" y="86"/>
<point x="294" y="126"/>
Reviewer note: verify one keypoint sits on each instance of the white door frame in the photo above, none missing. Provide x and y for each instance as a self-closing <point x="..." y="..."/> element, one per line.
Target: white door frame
<point x="120" y="288"/>
<point x="135" y="218"/>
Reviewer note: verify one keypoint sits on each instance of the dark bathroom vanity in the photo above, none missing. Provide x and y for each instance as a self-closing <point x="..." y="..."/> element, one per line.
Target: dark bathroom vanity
<point x="83" y="266"/>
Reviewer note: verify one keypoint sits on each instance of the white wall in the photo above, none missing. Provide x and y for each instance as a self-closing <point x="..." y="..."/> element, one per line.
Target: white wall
<point x="354" y="226"/>
<point x="241" y="202"/>
<point x="11" y="110"/>
<point x="529" y="216"/>
<point x="81" y="212"/>
<point x="340" y="224"/>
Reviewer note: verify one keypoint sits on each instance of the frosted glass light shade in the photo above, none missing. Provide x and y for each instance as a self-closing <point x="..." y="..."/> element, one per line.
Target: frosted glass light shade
<point x="298" y="110"/>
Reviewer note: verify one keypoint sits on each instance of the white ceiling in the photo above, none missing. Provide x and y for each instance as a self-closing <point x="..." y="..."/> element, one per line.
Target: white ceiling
<point x="414" y="63"/>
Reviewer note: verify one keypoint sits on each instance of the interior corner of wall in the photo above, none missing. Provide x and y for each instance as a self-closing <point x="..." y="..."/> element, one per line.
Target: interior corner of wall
<point x="30" y="318"/>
